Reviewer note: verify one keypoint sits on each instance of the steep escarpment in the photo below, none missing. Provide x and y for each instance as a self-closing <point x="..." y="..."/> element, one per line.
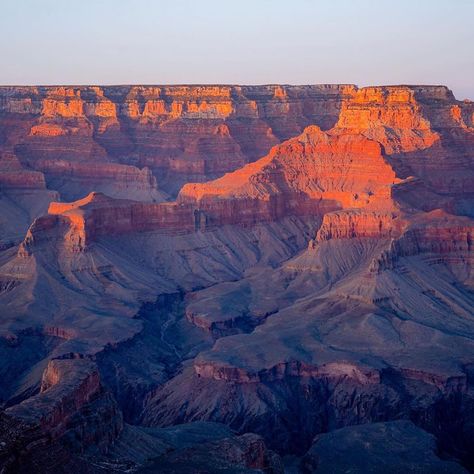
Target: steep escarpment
<point x="71" y="413"/>
<point x="422" y="130"/>
<point x="181" y="133"/>
<point x="23" y="197"/>
<point x="79" y="223"/>
<point x="383" y="152"/>
<point x="319" y="164"/>
<point x="435" y="232"/>
<point x="139" y="142"/>
<point x="121" y="181"/>
<point x="315" y="173"/>
<point x="392" y="115"/>
<point x="142" y="142"/>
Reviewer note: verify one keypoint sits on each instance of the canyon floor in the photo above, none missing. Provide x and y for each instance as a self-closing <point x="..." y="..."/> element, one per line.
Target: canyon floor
<point x="238" y="279"/>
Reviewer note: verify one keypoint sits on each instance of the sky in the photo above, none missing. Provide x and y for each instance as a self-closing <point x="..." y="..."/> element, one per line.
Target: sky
<point x="364" y="42"/>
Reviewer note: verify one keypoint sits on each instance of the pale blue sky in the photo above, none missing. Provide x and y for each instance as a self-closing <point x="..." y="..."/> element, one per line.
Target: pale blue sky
<point x="245" y="42"/>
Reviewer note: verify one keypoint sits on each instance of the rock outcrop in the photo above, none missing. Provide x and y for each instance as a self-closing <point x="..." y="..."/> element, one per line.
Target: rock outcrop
<point x="71" y="413"/>
<point x="246" y="453"/>
<point x="314" y="163"/>
<point x="190" y="447"/>
<point x="393" y="116"/>
<point x="446" y="236"/>
<point x="392" y="447"/>
<point x="78" y="224"/>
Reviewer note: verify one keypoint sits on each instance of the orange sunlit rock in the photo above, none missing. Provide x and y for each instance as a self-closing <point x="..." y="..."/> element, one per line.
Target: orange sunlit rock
<point x="48" y="130"/>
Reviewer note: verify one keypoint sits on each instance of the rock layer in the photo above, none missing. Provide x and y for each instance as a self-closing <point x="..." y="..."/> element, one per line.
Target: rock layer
<point x="180" y="132"/>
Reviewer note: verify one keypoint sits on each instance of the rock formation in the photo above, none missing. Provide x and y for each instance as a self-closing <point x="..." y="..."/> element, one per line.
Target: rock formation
<point x="290" y="261"/>
<point x="392" y="447"/>
<point x="181" y="133"/>
<point x="74" y="424"/>
<point x="71" y="413"/>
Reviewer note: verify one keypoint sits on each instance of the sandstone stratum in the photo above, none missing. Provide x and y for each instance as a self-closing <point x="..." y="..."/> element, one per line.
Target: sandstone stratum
<point x="236" y="279"/>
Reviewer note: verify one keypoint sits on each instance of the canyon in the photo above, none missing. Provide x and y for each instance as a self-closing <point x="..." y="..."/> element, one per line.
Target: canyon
<point x="236" y="279"/>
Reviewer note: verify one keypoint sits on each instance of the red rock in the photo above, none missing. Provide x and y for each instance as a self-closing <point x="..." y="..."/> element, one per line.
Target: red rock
<point x="314" y="173"/>
<point x="171" y="129"/>
<point x="359" y="224"/>
<point x="437" y="233"/>
<point x="335" y="371"/>
<point x="79" y="223"/>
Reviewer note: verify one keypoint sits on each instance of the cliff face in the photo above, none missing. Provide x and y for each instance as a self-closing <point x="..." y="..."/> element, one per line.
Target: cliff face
<point x="315" y="173"/>
<point x="392" y="115"/>
<point x="310" y="175"/>
<point x="141" y="142"/>
<point x="161" y="137"/>
<point x="76" y="225"/>
<point x="191" y="132"/>
<point x="438" y="233"/>
<point x="46" y="431"/>
<point x="358" y="224"/>
<point x="318" y="164"/>
<point x="181" y="133"/>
